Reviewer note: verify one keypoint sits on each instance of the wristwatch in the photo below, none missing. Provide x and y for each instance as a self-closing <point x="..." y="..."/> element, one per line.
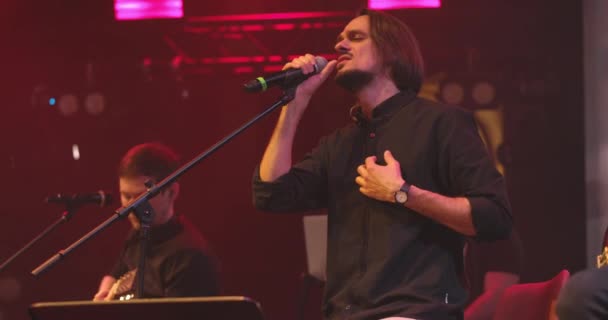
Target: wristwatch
<point x="402" y="194"/>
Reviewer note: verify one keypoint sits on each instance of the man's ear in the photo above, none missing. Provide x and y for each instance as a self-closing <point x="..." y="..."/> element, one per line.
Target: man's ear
<point x="174" y="190"/>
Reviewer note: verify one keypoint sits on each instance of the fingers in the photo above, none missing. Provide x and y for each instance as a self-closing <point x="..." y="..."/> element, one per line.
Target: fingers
<point x="370" y="162"/>
<point x="361" y="181"/>
<point x="100" y="296"/>
<point x="306" y="63"/>
<point x="365" y="191"/>
<point x="362" y="171"/>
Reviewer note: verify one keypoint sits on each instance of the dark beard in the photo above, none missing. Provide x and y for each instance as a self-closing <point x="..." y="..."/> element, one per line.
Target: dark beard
<point x="354" y="80"/>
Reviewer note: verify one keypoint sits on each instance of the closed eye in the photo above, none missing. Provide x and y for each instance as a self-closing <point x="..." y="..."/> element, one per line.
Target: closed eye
<point x="352" y="35"/>
<point x="129" y="196"/>
<point x="358" y="37"/>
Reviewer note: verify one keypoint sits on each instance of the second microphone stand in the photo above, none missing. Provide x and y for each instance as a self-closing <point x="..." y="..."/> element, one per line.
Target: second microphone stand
<point x="70" y="209"/>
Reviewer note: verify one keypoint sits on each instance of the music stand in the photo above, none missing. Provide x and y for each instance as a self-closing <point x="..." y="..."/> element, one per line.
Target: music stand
<point x="199" y="308"/>
<point x="315" y="242"/>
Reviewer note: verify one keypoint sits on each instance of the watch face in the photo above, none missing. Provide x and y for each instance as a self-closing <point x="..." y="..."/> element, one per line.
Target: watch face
<point x="401" y="197"/>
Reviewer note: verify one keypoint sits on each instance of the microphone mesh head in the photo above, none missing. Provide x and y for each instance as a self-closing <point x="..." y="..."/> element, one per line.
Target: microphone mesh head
<point x="105" y="198"/>
<point x="321" y="62"/>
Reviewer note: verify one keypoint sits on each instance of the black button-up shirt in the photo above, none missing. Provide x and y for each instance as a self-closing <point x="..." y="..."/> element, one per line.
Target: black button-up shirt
<point x="384" y="259"/>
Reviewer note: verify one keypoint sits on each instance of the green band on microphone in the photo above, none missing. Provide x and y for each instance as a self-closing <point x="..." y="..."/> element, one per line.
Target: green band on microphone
<point x="263" y="83"/>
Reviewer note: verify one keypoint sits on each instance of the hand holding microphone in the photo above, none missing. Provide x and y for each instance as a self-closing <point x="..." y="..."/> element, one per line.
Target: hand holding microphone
<point x="305" y="72"/>
<point x="317" y="73"/>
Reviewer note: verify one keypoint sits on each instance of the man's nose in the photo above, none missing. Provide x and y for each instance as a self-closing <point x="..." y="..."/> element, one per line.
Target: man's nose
<point x="341" y="47"/>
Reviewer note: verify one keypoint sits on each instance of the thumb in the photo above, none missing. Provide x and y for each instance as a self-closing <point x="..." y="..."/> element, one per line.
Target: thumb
<point x="388" y="157"/>
<point x="328" y="69"/>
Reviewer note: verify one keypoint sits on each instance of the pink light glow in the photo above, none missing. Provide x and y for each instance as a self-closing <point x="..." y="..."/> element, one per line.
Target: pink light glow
<point x="253" y="27"/>
<point x="147" y="9"/>
<point x="243" y="70"/>
<point x="284" y="26"/>
<point x="402" y="4"/>
<point x="273" y="68"/>
<point x="233" y="59"/>
<point x="272" y="16"/>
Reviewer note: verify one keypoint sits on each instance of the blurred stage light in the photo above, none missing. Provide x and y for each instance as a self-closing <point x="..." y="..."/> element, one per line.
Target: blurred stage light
<point x="402" y="4"/>
<point x="75" y="152"/>
<point x="468" y="90"/>
<point x="95" y="103"/>
<point x="483" y="93"/>
<point x="148" y="9"/>
<point x="452" y="93"/>
<point x="52" y="101"/>
<point x="68" y="104"/>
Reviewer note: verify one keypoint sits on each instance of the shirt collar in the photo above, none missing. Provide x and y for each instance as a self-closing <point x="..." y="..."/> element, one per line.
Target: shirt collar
<point x="384" y="110"/>
<point x="161" y="233"/>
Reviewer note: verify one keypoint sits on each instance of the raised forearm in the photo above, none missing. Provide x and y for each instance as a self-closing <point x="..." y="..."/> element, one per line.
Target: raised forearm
<point x="277" y="157"/>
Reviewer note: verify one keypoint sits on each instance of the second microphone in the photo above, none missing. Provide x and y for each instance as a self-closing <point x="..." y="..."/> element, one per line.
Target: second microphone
<point x="100" y="198"/>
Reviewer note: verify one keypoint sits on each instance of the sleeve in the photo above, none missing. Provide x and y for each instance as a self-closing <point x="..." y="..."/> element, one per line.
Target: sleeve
<point x="470" y="173"/>
<point x="302" y="188"/>
<point x="190" y="273"/>
<point x="501" y="256"/>
<point x="120" y="267"/>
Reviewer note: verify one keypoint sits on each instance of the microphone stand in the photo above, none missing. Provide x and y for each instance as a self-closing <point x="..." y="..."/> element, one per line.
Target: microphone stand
<point x="141" y="203"/>
<point x="70" y="209"/>
<point x="144" y="213"/>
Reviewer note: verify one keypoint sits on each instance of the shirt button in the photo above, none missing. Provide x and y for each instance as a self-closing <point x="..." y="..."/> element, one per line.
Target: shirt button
<point x="372" y="135"/>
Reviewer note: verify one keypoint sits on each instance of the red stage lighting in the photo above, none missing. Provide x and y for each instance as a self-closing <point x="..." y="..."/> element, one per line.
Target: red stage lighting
<point x="148" y="9"/>
<point x="402" y="4"/>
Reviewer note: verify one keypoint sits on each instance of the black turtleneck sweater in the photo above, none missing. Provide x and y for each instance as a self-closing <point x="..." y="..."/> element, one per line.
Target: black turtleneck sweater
<point x="384" y="259"/>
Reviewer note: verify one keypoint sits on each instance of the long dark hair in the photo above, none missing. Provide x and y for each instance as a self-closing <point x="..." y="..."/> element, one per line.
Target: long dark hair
<point x="398" y="49"/>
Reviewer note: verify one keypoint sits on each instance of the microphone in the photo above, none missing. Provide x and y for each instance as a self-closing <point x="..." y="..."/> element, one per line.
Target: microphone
<point x="100" y="197"/>
<point x="287" y="78"/>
